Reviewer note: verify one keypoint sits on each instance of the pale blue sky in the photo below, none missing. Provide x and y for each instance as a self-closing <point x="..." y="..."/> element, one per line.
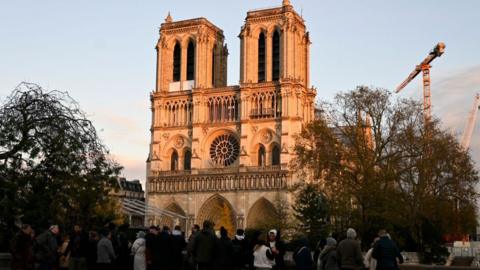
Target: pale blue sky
<point x="102" y="53"/>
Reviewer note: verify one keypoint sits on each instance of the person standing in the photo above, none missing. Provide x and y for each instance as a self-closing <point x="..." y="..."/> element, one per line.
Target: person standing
<point x="303" y="256"/>
<point x="178" y="246"/>
<point x="92" y="250"/>
<point x="263" y="257"/>
<point x="223" y="259"/>
<point x="47" y="246"/>
<point x="138" y="252"/>
<point x="151" y="242"/>
<point x="204" y="247"/>
<point x="278" y="249"/>
<point x="349" y="252"/>
<point x="21" y="249"/>
<point x="386" y="253"/>
<point x="78" y="249"/>
<point x="190" y="263"/>
<point x="327" y="258"/>
<point x="105" y="252"/>
<point x="239" y="250"/>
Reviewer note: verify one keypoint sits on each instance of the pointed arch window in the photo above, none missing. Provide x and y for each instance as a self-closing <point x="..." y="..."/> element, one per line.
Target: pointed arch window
<point x="276" y="56"/>
<point x="187" y="160"/>
<point x="177" y="54"/>
<point x="275" y="155"/>
<point x="190" y="61"/>
<point x="261" y="156"/>
<point x="174" y="161"/>
<point x="261" y="58"/>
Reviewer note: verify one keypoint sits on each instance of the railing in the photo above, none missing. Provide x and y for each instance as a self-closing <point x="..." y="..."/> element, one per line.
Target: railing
<point x="273" y="180"/>
<point x="263" y="113"/>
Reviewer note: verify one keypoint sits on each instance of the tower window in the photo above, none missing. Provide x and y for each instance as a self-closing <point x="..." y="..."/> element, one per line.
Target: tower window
<point x="174" y="161"/>
<point x="276" y="155"/>
<point x="187" y="160"/>
<point x="177" y="53"/>
<point x="276" y="56"/>
<point x="190" y="61"/>
<point x="261" y="58"/>
<point x="261" y="156"/>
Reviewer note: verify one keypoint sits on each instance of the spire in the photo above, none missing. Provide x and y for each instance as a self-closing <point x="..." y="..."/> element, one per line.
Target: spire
<point x="168" y="19"/>
<point x="286" y="3"/>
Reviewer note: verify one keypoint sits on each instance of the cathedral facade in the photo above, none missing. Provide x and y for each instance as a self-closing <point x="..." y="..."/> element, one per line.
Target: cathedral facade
<point x="222" y="152"/>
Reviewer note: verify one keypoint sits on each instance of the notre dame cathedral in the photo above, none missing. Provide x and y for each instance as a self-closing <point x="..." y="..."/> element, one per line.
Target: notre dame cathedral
<point x="222" y="152"/>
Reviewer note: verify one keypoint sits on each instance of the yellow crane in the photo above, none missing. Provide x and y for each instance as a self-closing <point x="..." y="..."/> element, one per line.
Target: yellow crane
<point x="424" y="67"/>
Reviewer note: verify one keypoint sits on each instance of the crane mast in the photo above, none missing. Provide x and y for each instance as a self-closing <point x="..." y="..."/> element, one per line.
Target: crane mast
<point x="424" y="67"/>
<point x="469" y="127"/>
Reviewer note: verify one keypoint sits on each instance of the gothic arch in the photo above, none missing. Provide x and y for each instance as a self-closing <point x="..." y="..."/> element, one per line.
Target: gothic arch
<point x="265" y="136"/>
<point x="178" y="142"/>
<point x="220" y="211"/>
<point x="261" y="214"/>
<point x="172" y="221"/>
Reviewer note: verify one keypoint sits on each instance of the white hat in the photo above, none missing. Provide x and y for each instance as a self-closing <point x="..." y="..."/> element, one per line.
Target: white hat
<point x="273" y="231"/>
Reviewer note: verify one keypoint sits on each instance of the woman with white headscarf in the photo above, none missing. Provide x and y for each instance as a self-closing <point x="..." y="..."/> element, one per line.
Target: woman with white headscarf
<point x="138" y="252"/>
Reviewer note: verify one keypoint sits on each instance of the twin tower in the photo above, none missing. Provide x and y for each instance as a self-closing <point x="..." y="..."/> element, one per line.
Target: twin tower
<point x="222" y="152"/>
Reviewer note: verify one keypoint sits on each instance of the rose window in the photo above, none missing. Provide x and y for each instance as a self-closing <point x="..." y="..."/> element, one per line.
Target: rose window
<point x="224" y="150"/>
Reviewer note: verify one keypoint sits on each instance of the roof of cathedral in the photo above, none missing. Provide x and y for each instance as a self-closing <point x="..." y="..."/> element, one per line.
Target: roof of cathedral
<point x="169" y="24"/>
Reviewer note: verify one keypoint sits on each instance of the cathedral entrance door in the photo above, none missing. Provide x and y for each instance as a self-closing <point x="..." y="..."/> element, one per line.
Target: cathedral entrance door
<point x="220" y="211"/>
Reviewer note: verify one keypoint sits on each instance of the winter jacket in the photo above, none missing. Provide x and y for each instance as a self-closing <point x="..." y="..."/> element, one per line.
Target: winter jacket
<point x="138" y="252"/>
<point x="386" y="253"/>
<point x="349" y="254"/>
<point x="161" y="251"/>
<point x="224" y="255"/>
<point x="105" y="252"/>
<point x="328" y="259"/>
<point x="303" y="259"/>
<point x="279" y="258"/>
<point x="46" y="248"/>
<point x="178" y="245"/>
<point x="78" y="245"/>
<point x="239" y="252"/>
<point x="204" y="246"/>
<point x="263" y="257"/>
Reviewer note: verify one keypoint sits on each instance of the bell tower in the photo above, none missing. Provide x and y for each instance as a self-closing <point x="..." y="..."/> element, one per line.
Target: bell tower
<point x="190" y="54"/>
<point x="274" y="46"/>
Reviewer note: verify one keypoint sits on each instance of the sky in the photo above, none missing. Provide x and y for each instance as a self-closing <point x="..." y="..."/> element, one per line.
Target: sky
<point x="102" y="53"/>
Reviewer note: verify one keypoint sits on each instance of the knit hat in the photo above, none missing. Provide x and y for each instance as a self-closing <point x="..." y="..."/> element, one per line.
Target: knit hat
<point x="140" y="234"/>
<point x="351" y="233"/>
<point x="331" y="242"/>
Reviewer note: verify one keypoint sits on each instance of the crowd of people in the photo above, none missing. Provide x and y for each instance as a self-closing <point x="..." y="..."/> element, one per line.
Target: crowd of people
<point x="204" y="249"/>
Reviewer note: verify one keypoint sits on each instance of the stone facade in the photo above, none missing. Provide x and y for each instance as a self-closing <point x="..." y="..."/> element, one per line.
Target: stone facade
<point x="222" y="152"/>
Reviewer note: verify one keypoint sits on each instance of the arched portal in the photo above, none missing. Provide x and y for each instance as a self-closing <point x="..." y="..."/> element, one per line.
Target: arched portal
<point x="262" y="214"/>
<point x="220" y="211"/>
<point x="173" y="221"/>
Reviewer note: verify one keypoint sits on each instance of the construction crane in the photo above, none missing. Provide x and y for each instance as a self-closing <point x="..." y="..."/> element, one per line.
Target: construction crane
<point x="424" y="66"/>
<point x="472" y="117"/>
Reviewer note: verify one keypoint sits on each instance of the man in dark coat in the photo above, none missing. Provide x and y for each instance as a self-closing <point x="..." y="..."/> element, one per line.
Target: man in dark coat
<point x="204" y="247"/>
<point x="328" y="255"/>
<point x="190" y="263"/>
<point x="162" y="250"/>
<point x="239" y="250"/>
<point x="278" y="248"/>
<point x="78" y="249"/>
<point x="178" y="246"/>
<point x="46" y="248"/>
<point x="349" y="252"/>
<point x="223" y="259"/>
<point x="303" y="256"/>
<point x="21" y="249"/>
<point x="386" y="252"/>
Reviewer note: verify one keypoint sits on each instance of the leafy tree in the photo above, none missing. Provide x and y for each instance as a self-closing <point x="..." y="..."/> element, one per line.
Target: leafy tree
<point x="53" y="166"/>
<point x="311" y="210"/>
<point x="379" y="168"/>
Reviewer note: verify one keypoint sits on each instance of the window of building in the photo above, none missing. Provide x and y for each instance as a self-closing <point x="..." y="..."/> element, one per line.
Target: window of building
<point x="190" y="61"/>
<point x="276" y="56"/>
<point x="261" y="156"/>
<point x="275" y="155"/>
<point x="261" y="58"/>
<point x="174" y="161"/>
<point x="177" y="55"/>
<point x="187" y="160"/>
